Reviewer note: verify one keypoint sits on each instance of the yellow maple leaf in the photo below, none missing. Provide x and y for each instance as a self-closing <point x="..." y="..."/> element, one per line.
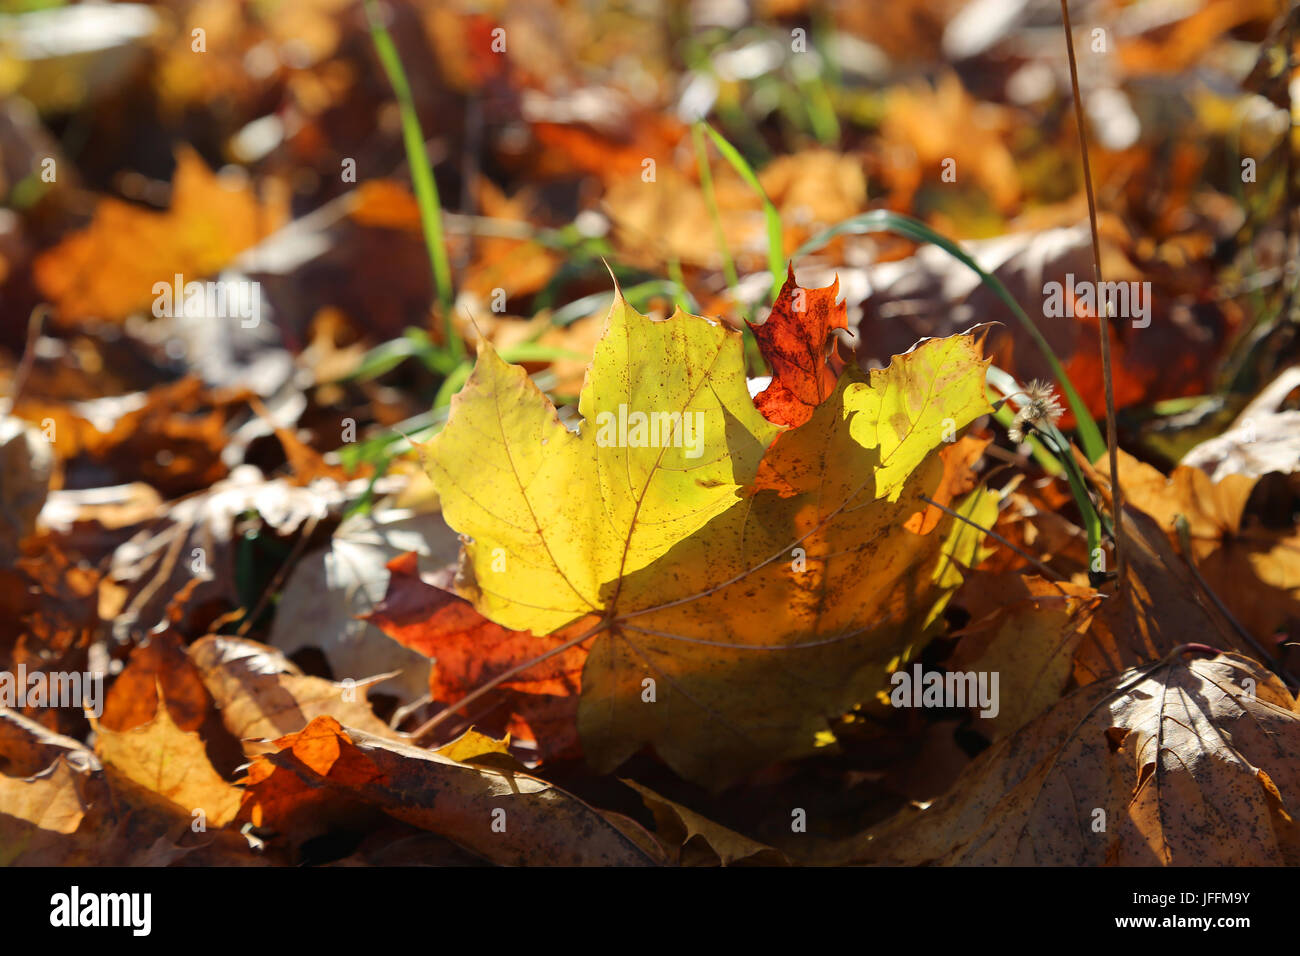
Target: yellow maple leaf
<point x="739" y="598"/>
<point x="554" y="515"/>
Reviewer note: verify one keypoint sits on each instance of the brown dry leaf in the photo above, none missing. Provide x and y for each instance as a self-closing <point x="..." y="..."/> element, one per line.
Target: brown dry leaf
<point x="698" y="841"/>
<point x="40" y="810"/>
<point x="108" y="269"/>
<point x="262" y="695"/>
<point x="334" y="350"/>
<point x="158" y="663"/>
<point x="1156" y="608"/>
<point x="612" y="154"/>
<point x="27" y="747"/>
<point x="384" y="204"/>
<point x="1032" y="520"/>
<point x="1179" y="46"/>
<point x="507" y="818"/>
<point x="73" y="434"/>
<point x="814" y="188"/>
<point x="959" y="477"/>
<point x="330" y="588"/>
<point x="1188" y="760"/>
<point x="50" y="619"/>
<point x="669" y="218"/>
<point x="179" y="84"/>
<point x="306" y="464"/>
<point x="1213" y="510"/>
<point x="59" y="806"/>
<point x="361" y="257"/>
<point x="48" y="799"/>
<point x="909" y="33"/>
<point x="175" y="438"/>
<point x="171" y="436"/>
<point x="171" y="763"/>
<point x="26" y="466"/>
<point x="1253" y="570"/>
<point x="515" y="266"/>
<point x="1025" y="629"/>
<point x="462" y="45"/>
<point x="1264" y="438"/>
<point x="931" y="294"/>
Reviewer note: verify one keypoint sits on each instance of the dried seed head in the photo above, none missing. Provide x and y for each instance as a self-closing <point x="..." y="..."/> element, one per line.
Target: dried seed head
<point x="1038" y="409"/>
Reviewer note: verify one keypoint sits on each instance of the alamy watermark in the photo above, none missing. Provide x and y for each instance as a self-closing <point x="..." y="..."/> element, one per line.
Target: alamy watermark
<point x="21" y="689"/>
<point x="75" y="909"/>
<point x="1121" y="300"/>
<point x="220" y="299"/>
<point x="629" y="429"/>
<point x="955" y="689"/>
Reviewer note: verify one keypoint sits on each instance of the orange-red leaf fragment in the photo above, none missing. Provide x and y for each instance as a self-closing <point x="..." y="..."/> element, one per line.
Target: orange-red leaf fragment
<point x="794" y="340"/>
<point x="468" y="650"/>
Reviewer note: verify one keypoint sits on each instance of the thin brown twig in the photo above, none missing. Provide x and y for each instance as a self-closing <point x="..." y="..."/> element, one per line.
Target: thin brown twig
<point x="274" y="585"/>
<point x="29" y="355"/>
<point x="1103" y="320"/>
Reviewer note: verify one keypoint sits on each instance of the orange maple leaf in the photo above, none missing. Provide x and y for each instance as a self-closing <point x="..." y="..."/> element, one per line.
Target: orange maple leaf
<point x="108" y="269"/>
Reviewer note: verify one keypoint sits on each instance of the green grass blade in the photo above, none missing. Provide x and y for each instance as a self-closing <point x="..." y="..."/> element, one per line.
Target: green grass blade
<point x="426" y="187"/>
<point x="882" y="220"/>
<point x="1092" y="519"/>
<point x="775" y="245"/>
<point x="414" y="343"/>
<point x="537" y="352"/>
<point x="711" y="200"/>
<point x="678" y="279"/>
